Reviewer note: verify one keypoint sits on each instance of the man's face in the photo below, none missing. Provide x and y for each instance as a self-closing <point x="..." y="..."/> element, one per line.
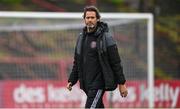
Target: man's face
<point x="90" y="19"/>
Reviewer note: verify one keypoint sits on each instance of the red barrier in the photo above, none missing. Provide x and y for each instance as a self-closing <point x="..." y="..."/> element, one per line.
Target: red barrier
<point x="167" y="93"/>
<point x="40" y="93"/>
<point x="36" y="94"/>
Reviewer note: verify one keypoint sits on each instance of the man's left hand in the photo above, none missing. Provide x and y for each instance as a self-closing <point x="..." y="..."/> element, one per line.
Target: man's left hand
<point x="123" y="90"/>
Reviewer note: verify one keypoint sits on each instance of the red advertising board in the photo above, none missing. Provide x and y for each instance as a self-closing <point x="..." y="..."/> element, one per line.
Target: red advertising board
<point x="167" y="93"/>
<point x="34" y="94"/>
<point x="40" y="94"/>
<point x="137" y="91"/>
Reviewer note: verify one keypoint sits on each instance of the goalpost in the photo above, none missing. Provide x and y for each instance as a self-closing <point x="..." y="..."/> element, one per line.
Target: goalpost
<point x="127" y="29"/>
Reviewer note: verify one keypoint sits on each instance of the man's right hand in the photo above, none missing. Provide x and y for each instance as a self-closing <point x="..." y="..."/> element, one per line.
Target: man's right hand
<point x="69" y="86"/>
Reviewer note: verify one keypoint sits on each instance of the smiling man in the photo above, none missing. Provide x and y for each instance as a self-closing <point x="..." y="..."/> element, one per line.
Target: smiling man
<point x="97" y="64"/>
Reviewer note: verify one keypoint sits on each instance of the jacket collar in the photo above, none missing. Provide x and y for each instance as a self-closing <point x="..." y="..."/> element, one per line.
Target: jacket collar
<point x="101" y="28"/>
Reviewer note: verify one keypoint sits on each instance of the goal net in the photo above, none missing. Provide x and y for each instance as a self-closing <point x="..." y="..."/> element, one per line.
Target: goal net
<point x="36" y="55"/>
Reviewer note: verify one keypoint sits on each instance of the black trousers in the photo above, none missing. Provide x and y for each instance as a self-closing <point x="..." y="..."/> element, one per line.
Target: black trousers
<point x="94" y="99"/>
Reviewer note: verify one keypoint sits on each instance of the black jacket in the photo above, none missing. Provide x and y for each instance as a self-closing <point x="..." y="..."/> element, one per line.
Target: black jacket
<point x="108" y="56"/>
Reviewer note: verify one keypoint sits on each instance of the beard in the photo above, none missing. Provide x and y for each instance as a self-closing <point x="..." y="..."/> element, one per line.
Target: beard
<point x="90" y="27"/>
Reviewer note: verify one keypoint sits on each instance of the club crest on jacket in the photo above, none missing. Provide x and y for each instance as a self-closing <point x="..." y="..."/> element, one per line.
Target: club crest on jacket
<point x="93" y="44"/>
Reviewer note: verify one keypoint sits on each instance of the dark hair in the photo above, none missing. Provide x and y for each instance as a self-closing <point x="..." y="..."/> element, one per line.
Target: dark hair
<point x="91" y="8"/>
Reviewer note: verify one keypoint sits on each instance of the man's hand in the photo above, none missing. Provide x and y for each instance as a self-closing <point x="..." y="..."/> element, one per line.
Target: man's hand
<point x="69" y="86"/>
<point x="123" y="90"/>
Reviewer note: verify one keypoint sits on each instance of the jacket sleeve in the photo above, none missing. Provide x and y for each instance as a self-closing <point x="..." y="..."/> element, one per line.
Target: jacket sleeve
<point x="73" y="78"/>
<point x="114" y="60"/>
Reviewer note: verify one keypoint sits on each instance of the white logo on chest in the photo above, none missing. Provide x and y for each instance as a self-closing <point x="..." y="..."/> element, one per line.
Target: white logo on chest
<point x="93" y="44"/>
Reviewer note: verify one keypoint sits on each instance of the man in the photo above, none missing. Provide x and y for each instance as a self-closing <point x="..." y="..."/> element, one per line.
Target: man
<point x="97" y="64"/>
